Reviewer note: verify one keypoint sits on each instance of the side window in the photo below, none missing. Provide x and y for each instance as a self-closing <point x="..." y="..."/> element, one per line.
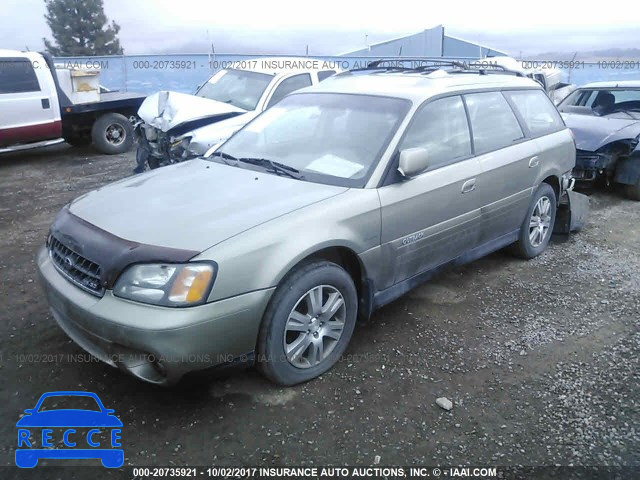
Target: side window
<point x="539" y="114"/>
<point x="17" y="76"/>
<point x="493" y="123"/>
<point x="289" y="85"/>
<point x="441" y="128"/>
<point x="325" y="74"/>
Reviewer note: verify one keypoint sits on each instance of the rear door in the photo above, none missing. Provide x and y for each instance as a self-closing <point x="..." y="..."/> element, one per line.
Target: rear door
<point x="541" y="121"/>
<point x="28" y="102"/>
<point x="433" y="217"/>
<point x="507" y="159"/>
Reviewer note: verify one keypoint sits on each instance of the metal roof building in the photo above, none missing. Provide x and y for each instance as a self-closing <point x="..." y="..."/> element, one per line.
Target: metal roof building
<point x="429" y="43"/>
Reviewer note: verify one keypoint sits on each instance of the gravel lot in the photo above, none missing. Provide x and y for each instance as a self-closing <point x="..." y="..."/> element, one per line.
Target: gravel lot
<point x="540" y="358"/>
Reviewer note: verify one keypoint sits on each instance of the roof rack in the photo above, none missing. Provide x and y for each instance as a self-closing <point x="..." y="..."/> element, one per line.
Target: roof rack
<point x="428" y="65"/>
<point x="424" y="63"/>
<point x="483" y="67"/>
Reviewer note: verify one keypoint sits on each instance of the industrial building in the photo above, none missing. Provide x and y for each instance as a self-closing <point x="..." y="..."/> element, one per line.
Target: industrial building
<point x="432" y="42"/>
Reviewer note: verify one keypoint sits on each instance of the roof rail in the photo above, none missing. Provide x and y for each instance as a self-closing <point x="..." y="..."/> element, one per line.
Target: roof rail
<point x="424" y="63"/>
<point x="484" y="66"/>
<point x="428" y="65"/>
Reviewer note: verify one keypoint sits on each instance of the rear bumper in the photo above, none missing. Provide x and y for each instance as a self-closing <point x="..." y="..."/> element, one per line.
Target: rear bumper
<point x="572" y="213"/>
<point x="156" y="344"/>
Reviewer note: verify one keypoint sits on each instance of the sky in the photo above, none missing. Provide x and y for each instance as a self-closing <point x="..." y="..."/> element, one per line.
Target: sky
<point x="333" y="27"/>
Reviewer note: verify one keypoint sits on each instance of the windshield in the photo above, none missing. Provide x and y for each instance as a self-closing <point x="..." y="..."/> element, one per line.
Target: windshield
<point x="618" y="102"/>
<point x="327" y="138"/>
<point x="239" y="88"/>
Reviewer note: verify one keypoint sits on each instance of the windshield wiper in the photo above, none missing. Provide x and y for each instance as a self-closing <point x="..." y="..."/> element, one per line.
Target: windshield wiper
<point x="224" y="157"/>
<point x="275" y="167"/>
<point x="269" y="165"/>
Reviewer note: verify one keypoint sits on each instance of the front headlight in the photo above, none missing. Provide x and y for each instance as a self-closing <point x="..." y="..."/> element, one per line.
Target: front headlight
<point x="169" y="285"/>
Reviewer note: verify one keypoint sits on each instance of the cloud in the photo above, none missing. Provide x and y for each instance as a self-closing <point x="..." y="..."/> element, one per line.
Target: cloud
<point x="335" y="26"/>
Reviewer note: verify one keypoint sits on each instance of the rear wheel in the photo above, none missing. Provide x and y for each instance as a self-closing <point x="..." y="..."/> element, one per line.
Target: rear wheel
<point x="537" y="227"/>
<point x="112" y="133"/>
<point x="308" y="323"/>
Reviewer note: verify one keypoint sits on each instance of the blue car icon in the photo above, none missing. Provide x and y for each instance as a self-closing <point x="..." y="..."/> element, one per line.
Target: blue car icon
<point x="66" y="420"/>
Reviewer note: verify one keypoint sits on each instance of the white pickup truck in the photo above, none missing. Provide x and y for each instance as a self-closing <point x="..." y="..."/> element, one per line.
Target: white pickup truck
<point x="42" y="105"/>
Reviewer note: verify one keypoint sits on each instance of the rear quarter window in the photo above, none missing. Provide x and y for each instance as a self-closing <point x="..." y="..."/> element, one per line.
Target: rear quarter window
<point x="539" y="114"/>
<point x="17" y="76"/>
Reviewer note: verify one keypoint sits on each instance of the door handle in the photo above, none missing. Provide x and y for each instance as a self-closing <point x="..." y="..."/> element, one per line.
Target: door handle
<point x="45" y="103"/>
<point x="534" y="162"/>
<point x="469" y="186"/>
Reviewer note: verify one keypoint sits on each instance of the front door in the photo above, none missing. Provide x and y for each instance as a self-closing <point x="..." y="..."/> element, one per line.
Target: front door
<point x="29" y="111"/>
<point x="433" y="217"/>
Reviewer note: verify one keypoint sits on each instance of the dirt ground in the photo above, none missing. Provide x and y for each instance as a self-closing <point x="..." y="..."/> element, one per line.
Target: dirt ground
<point x="540" y="358"/>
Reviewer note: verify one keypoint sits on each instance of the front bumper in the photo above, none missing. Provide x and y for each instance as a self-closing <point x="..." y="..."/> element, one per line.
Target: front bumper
<point x="156" y="344"/>
<point x="590" y="165"/>
<point x="156" y="147"/>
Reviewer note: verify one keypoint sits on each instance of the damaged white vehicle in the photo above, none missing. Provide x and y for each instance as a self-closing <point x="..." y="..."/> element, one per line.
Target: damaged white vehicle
<point x="550" y="77"/>
<point x="178" y="126"/>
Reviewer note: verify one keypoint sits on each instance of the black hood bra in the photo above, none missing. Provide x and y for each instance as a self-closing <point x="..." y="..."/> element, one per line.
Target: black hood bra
<point x="113" y="254"/>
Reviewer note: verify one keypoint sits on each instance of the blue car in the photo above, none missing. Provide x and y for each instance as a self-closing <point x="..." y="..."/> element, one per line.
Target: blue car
<point x="68" y="419"/>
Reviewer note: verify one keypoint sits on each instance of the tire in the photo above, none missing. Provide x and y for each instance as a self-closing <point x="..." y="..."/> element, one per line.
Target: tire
<point x="280" y="332"/>
<point x="544" y="200"/>
<point x="142" y="158"/>
<point x="112" y="133"/>
<point x="633" y="191"/>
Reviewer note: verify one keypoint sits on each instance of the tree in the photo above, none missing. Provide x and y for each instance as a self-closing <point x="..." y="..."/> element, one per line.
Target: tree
<point x="80" y="28"/>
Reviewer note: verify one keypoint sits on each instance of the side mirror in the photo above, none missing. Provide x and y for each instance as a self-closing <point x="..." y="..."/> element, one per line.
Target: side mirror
<point x="29" y="411"/>
<point x="413" y="161"/>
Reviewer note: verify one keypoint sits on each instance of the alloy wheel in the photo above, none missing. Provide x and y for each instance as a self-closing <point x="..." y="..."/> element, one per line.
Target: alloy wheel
<point x="540" y="221"/>
<point x="314" y="326"/>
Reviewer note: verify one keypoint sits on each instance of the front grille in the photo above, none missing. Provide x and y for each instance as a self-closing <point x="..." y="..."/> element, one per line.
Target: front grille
<point x="77" y="269"/>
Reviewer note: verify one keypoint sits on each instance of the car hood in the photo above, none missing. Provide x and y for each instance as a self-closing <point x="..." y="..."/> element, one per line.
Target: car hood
<point x="203" y="138"/>
<point x="196" y="204"/>
<point x="166" y="110"/>
<point x="592" y="132"/>
<point x="69" y="418"/>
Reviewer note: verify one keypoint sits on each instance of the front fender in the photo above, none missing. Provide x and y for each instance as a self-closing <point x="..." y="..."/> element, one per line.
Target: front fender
<point x="259" y="258"/>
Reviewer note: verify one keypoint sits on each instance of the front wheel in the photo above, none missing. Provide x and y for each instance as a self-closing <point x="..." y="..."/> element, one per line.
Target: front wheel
<point x="112" y="133"/>
<point x="308" y="323"/>
<point x="537" y="227"/>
